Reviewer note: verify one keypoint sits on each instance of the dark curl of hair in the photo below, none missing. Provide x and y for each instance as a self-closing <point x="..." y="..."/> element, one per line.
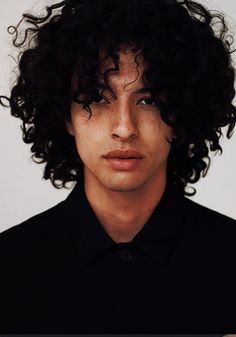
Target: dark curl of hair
<point x="189" y="63"/>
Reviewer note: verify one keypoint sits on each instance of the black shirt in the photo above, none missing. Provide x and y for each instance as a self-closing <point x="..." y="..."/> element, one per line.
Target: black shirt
<point x="62" y="273"/>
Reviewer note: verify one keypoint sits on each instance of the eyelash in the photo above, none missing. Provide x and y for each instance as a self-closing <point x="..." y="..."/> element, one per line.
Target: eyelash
<point x="148" y="98"/>
<point x="106" y="101"/>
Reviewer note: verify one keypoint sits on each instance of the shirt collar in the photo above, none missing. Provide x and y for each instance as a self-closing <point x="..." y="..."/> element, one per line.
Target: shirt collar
<point x="158" y="235"/>
<point x="156" y="238"/>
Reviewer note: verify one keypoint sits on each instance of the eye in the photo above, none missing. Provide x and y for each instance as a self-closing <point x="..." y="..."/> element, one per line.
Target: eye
<point x="147" y="101"/>
<point x="100" y="99"/>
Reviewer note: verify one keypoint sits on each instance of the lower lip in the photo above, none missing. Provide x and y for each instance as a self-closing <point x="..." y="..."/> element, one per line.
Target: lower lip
<point x="124" y="164"/>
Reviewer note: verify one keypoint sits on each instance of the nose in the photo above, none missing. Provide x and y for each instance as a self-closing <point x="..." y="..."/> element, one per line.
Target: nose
<point x="124" y="124"/>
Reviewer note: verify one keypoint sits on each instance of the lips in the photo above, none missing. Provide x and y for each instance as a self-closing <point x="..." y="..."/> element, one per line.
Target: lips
<point x="123" y="154"/>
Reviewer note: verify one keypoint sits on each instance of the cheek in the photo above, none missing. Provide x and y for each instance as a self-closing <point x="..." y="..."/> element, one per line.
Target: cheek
<point x="158" y="145"/>
<point x="159" y="132"/>
<point x="89" y="138"/>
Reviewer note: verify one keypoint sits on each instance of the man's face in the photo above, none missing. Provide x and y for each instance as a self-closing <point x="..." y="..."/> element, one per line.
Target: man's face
<point x="130" y="121"/>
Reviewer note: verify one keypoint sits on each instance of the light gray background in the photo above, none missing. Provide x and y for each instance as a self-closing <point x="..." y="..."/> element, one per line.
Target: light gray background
<point x="23" y="191"/>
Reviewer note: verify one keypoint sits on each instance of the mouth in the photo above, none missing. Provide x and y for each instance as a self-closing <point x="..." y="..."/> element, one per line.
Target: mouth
<point x="124" y="154"/>
<point x="125" y="158"/>
<point x="121" y="163"/>
<point x="121" y="159"/>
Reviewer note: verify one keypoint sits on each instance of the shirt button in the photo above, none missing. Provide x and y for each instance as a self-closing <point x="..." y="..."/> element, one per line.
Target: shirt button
<point x="126" y="255"/>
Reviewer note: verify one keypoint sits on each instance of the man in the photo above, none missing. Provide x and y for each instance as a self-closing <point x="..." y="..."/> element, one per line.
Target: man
<point x="122" y="97"/>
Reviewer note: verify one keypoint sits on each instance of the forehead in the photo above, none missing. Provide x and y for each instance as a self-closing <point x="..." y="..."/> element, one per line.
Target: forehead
<point x="131" y="69"/>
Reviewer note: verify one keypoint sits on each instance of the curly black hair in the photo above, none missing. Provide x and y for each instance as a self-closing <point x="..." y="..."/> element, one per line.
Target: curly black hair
<point x="189" y="63"/>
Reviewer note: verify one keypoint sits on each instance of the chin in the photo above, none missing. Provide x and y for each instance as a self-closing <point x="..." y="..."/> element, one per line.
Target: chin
<point x="123" y="185"/>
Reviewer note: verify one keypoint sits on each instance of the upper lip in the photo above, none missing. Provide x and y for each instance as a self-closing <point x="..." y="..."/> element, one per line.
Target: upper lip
<point x="123" y="154"/>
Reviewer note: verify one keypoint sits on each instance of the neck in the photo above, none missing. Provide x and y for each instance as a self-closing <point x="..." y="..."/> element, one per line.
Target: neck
<point x="123" y="214"/>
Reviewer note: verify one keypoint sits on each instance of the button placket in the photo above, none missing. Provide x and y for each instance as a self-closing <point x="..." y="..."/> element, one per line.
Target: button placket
<point x="125" y="251"/>
<point x="126" y="254"/>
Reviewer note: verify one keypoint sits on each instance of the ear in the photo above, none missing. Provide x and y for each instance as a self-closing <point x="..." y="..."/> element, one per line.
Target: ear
<point x="70" y="128"/>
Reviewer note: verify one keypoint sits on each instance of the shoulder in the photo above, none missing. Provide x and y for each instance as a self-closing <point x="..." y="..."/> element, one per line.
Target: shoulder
<point x="214" y="224"/>
<point x="32" y="235"/>
<point x="202" y="212"/>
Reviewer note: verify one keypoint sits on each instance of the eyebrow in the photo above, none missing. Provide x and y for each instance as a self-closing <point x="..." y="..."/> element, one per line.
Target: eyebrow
<point x="142" y="90"/>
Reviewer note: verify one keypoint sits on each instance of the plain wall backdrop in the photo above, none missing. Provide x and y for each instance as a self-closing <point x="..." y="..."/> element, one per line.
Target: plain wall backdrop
<point x="24" y="193"/>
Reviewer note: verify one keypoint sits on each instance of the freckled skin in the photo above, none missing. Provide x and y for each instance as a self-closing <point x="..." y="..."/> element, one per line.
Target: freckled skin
<point x="126" y="122"/>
